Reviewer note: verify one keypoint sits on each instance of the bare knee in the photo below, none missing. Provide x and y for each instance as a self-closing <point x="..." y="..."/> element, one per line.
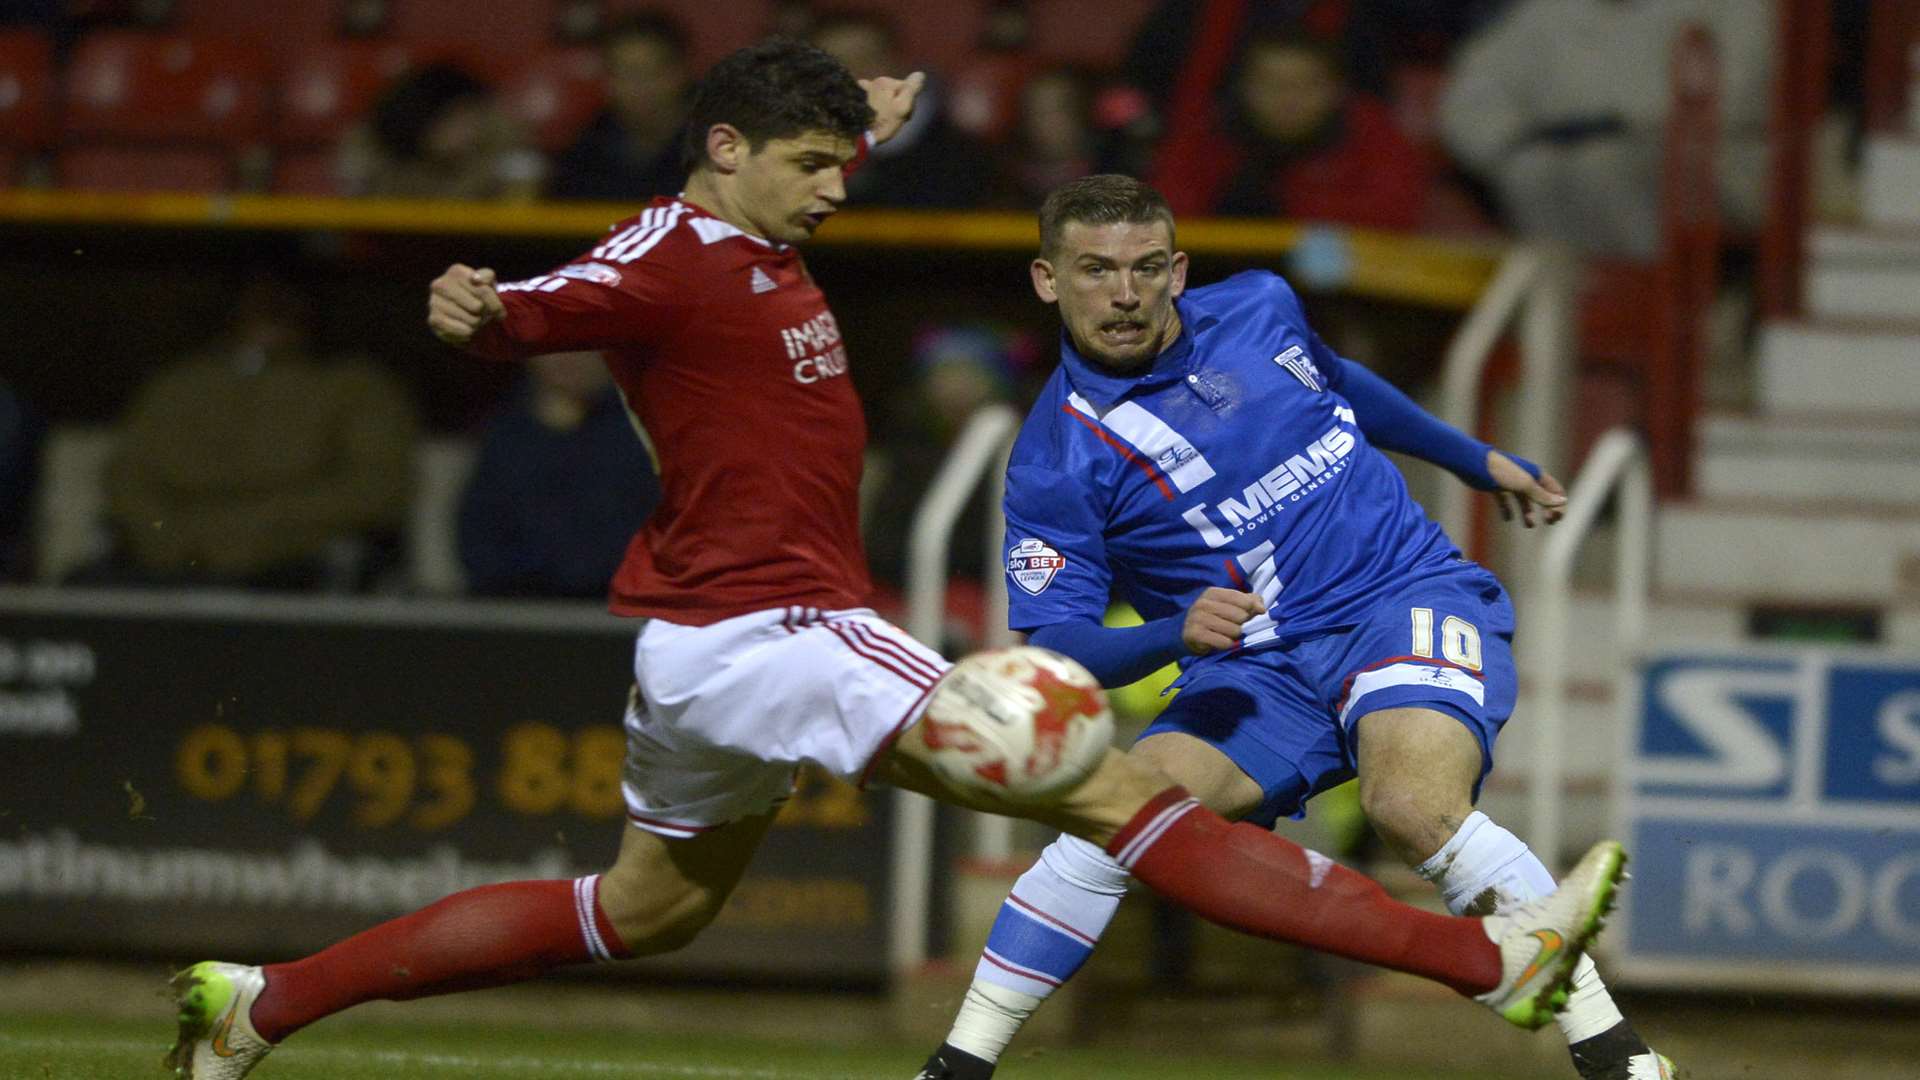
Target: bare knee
<point x="1414" y="823"/>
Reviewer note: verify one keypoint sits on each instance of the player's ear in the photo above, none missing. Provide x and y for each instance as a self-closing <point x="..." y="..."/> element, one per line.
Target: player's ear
<point x="1043" y="285"/>
<point x="1177" y="272"/>
<point x="726" y="147"/>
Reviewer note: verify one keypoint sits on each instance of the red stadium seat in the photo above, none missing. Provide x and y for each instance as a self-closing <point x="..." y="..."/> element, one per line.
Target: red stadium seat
<point x="113" y="168"/>
<point x="306" y="172"/>
<point x="556" y="94"/>
<point x="983" y="95"/>
<point x="26" y="89"/>
<point x="1095" y="33"/>
<point x="327" y="87"/>
<point x="166" y="87"/>
<point x="281" y="29"/>
<point x="520" y="27"/>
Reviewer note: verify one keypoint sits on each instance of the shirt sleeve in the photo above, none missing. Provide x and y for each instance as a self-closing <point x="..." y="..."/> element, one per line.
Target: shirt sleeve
<point x="607" y="298"/>
<point x="1056" y="560"/>
<point x="1390" y="419"/>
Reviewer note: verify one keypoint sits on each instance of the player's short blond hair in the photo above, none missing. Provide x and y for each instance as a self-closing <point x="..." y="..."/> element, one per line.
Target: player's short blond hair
<point x="1103" y="199"/>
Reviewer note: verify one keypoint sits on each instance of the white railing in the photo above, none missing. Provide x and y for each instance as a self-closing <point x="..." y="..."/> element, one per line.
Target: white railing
<point x="1535" y="285"/>
<point x="1618" y="461"/>
<point x="980" y="452"/>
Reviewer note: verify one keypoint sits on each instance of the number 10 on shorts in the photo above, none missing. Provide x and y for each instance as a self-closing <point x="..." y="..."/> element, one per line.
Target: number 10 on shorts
<point x="1459" y="640"/>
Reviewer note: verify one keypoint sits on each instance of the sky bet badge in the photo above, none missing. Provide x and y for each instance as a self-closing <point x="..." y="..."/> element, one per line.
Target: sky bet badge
<point x="1032" y="564"/>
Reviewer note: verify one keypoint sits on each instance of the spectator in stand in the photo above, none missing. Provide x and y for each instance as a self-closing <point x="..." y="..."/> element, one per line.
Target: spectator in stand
<point x="438" y="133"/>
<point x="1054" y="139"/>
<point x="631" y="151"/>
<point x="958" y="370"/>
<point x="561" y="485"/>
<point x="252" y="464"/>
<point x="1294" y="142"/>
<point x="1561" y="107"/>
<point x="791" y="18"/>
<point x="1182" y="39"/>
<point x="20" y="436"/>
<point x="928" y="163"/>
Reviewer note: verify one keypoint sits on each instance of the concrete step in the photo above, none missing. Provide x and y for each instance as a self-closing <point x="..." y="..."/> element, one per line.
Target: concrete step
<point x="1683" y="620"/>
<point x="1890" y="181"/>
<point x="1810" y="456"/>
<point x="1791" y="550"/>
<point x="1871" y="369"/>
<point x="1864" y="273"/>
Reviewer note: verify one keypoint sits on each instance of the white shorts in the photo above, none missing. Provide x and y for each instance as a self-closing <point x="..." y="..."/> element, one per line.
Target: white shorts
<point x="722" y="715"/>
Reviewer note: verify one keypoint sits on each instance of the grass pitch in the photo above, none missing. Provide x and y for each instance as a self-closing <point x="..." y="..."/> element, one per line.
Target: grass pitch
<point x="74" y="1048"/>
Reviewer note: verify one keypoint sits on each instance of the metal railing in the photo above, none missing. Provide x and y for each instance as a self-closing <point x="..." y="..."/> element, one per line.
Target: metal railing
<point x="980" y="452"/>
<point x="1618" y="461"/>
<point x="1534" y="285"/>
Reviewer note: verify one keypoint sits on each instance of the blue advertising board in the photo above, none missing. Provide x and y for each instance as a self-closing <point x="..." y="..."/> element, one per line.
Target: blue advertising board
<point x="1771" y="803"/>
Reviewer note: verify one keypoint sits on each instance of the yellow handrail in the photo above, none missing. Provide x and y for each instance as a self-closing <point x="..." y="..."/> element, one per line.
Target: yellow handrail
<point x="1393" y="266"/>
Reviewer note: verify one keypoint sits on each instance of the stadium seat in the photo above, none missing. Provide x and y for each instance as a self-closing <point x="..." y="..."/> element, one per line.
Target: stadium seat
<point x="279" y="28"/>
<point x="518" y="28"/>
<point x="555" y="94"/>
<point x="306" y="172"/>
<point x="1095" y="33"/>
<point x="983" y="94"/>
<point x="328" y="86"/>
<point x="715" y="29"/>
<point x="26" y="89"/>
<point x="166" y="87"/>
<point x="119" y="168"/>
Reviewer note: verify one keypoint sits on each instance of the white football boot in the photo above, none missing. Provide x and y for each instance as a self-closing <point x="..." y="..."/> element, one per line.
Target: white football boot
<point x="1541" y="941"/>
<point x="217" y="1040"/>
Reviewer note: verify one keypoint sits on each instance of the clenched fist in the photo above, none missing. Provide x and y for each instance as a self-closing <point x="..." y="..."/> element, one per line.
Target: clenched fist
<point x="460" y="302"/>
<point x="1213" y="622"/>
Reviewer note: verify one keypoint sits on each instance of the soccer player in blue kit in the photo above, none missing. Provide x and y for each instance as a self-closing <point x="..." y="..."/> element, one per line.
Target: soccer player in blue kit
<point x="1206" y="457"/>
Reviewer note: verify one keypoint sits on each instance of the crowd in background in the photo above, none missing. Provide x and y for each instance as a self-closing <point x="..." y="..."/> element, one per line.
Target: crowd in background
<point x="1539" y="116"/>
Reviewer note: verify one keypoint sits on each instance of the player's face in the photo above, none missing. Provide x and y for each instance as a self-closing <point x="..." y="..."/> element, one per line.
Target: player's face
<point x="1115" y="285"/>
<point x="787" y="187"/>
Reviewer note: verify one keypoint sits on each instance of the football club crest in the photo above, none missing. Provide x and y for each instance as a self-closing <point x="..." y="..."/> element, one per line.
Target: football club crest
<point x="1296" y="360"/>
<point x="598" y="273"/>
<point x="1032" y="564"/>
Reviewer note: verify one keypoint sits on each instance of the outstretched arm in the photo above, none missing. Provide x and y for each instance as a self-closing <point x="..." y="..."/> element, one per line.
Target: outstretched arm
<point x="1393" y="421"/>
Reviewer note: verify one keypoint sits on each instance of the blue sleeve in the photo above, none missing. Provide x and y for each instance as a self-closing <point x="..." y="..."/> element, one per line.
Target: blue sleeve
<point x="1392" y="421"/>
<point x="1056" y="555"/>
<point x="1117" y="655"/>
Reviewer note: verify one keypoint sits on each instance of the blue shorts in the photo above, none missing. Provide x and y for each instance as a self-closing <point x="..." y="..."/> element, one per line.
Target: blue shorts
<point x="1287" y="714"/>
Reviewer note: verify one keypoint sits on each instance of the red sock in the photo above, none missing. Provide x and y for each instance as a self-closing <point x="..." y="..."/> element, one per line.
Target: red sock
<point x="1246" y="878"/>
<point x="489" y="936"/>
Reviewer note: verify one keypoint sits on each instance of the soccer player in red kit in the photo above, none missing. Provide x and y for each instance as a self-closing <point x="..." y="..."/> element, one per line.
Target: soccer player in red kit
<point x="754" y="652"/>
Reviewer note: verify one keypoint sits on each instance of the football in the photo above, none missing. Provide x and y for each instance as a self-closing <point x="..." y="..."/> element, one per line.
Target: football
<point x="1023" y="722"/>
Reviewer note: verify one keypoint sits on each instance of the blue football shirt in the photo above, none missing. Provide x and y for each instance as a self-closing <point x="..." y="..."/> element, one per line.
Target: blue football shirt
<point x="1232" y="461"/>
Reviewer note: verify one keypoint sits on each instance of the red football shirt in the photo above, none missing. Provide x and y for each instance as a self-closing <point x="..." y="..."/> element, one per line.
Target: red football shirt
<point x="735" y="374"/>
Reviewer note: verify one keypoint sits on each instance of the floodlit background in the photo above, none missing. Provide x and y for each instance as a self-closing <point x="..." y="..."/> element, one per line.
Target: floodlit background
<point x="302" y="623"/>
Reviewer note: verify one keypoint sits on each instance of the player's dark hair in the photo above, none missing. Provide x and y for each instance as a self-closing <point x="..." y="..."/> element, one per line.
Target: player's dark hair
<point x="652" y="25"/>
<point x="775" y="90"/>
<point x="1104" y="199"/>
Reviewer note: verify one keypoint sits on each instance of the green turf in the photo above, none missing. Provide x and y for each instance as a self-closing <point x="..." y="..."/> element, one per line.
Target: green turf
<point x="68" y="1048"/>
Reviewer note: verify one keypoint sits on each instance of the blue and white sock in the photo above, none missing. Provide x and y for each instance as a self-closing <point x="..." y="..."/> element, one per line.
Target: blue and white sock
<point x="1046" y="929"/>
<point x="1484" y="868"/>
